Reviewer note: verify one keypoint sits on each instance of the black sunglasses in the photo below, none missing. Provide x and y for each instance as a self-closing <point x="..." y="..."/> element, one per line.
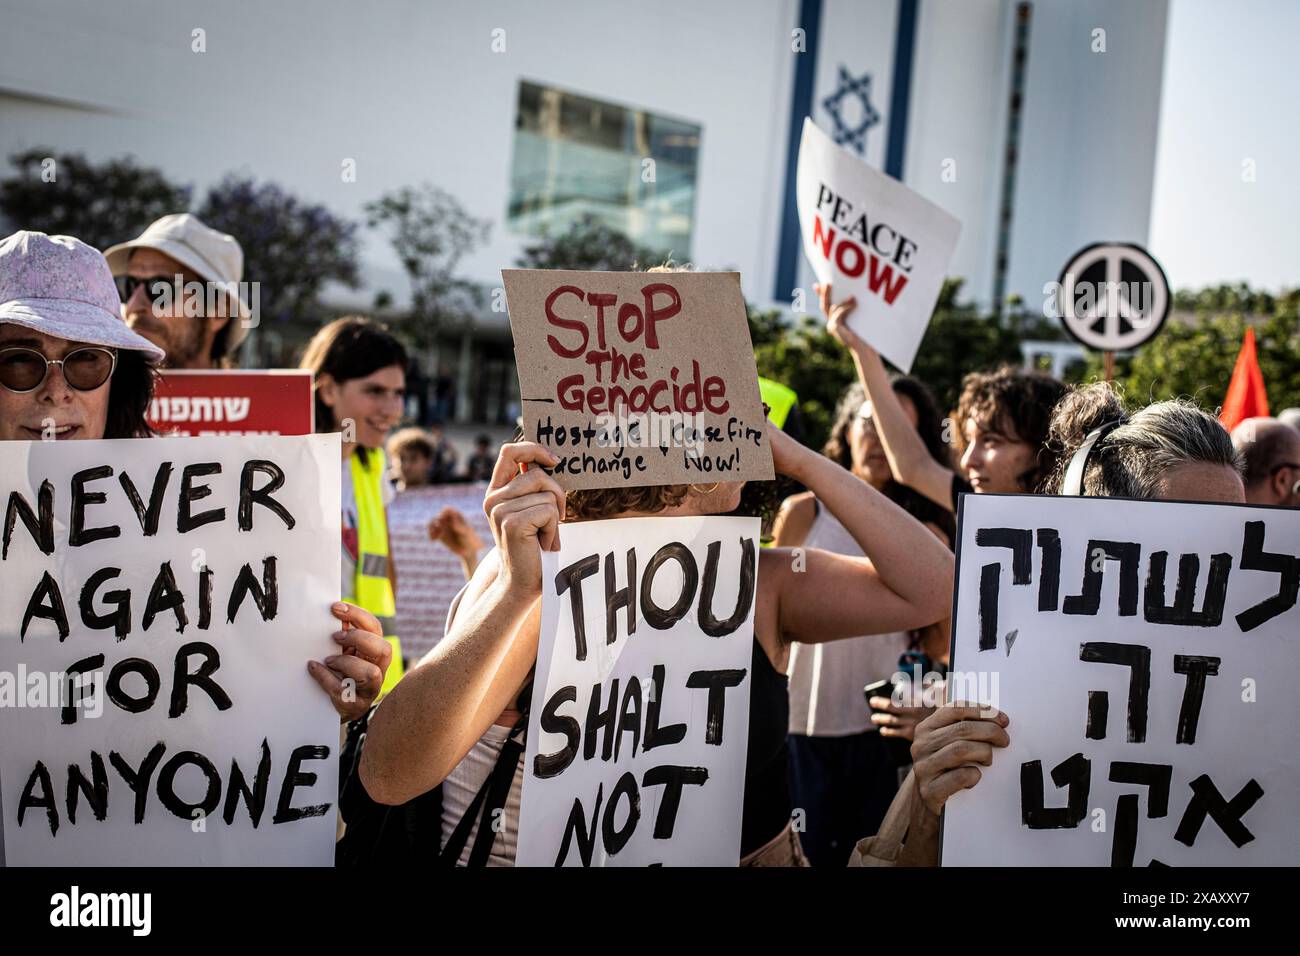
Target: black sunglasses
<point x="155" y="287"/>
<point x="85" y="369"/>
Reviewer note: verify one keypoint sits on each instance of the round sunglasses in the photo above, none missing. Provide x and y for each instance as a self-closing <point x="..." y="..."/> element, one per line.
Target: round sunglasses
<point x="85" y="369"/>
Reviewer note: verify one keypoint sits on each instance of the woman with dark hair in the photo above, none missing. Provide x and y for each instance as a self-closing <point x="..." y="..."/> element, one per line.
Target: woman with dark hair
<point x="843" y="764"/>
<point x="56" y="314"/>
<point x="359" y="372"/>
<point x="1000" y="424"/>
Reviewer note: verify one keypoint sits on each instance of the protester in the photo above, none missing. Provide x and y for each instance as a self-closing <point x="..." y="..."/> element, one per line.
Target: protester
<point x="442" y="468"/>
<point x="70" y="368"/>
<point x="480" y="464"/>
<point x="359" y="371"/>
<point x="1166" y="451"/>
<point x="1000" y="424"/>
<point x="410" y="451"/>
<point x="448" y="720"/>
<point x="179" y="287"/>
<point x="1270" y="452"/>
<point x="1290" y="416"/>
<point x="843" y="772"/>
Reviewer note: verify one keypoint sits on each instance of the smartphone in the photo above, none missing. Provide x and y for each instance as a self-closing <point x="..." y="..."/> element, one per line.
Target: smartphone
<point x="880" y="688"/>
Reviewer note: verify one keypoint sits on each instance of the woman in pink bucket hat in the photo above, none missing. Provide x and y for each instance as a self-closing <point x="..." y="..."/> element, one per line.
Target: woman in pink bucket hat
<point x="69" y="366"/>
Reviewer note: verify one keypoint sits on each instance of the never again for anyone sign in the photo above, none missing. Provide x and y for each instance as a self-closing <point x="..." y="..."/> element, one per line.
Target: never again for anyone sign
<point x="1147" y="654"/>
<point x="640" y="715"/>
<point x="159" y="601"/>
<point x="635" y="378"/>
<point x="875" y="240"/>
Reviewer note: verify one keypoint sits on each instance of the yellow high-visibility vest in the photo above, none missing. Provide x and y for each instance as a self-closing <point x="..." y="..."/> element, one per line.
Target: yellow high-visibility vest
<point x="778" y="398"/>
<point x="371" y="588"/>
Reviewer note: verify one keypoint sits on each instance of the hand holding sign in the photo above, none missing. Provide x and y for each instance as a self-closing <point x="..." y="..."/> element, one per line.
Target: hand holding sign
<point x="949" y="745"/>
<point x="525" y="510"/>
<point x="353" y="677"/>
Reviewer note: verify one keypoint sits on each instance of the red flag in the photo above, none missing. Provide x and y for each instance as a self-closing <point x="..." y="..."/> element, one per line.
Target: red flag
<point x="1246" y="397"/>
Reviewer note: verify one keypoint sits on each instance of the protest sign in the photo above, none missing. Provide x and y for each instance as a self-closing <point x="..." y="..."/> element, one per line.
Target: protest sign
<point x="431" y="574"/>
<point x="233" y="402"/>
<point x="640" y="713"/>
<point x="636" y="378"/>
<point x="1147" y="655"/>
<point x="875" y="240"/>
<point x="159" y="601"/>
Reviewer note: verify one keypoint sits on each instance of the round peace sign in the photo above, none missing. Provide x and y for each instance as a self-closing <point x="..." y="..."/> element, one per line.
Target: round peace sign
<point x="1113" y="296"/>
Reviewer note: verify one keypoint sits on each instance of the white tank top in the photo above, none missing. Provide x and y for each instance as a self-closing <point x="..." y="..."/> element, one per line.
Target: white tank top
<point x="826" y="680"/>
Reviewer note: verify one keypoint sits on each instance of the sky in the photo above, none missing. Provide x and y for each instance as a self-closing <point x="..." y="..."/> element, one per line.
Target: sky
<point x="1230" y="109"/>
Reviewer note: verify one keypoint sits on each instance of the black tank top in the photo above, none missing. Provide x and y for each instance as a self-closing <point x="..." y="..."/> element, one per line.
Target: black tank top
<point x="767" y="778"/>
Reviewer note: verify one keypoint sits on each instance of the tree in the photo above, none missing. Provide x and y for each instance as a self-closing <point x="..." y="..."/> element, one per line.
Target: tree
<point x="1195" y="359"/>
<point x="101" y="204"/>
<point x="291" y="248"/>
<point x="590" y="245"/>
<point x="960" y="339"/>
<point x="431" y="232"/>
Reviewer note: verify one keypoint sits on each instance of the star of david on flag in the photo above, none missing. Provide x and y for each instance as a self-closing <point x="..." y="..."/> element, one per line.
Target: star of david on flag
<point x="850" y="86"/>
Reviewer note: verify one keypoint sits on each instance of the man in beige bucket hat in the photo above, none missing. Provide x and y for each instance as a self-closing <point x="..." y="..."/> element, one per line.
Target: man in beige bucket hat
<point x="199" y="319"/>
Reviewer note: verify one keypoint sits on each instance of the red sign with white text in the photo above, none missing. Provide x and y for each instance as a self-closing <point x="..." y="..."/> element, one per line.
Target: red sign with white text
<point x="233" y="402"/>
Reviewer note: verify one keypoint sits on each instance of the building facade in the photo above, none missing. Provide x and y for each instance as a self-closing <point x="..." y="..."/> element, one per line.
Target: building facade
<point x="673" y="124"/>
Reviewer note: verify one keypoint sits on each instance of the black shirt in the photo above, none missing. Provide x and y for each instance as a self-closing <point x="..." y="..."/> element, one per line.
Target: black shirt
<point x="767" y="805"/>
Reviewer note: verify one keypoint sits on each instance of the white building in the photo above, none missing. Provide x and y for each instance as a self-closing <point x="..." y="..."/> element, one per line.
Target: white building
<point x="531" y="113"/>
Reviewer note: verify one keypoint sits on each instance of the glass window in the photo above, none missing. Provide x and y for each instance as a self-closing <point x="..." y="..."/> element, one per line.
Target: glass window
<point x="577" y="156"/>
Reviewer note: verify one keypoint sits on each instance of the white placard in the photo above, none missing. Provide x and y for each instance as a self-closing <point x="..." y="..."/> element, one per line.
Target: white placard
<point x="132" y="574"/>
<point x="660" y="780"/>
<point x="873" y="239"/>
<point x="1150" y="682"/>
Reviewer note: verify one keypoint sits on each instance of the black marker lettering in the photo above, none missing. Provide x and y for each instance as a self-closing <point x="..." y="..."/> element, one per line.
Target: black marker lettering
<point x="295" y="777"/>
<point x="552" y="765"/>
<point x="709" y="624"/>
<point x="571" y="578"/>
<point x="78" y="533"/>
<point x="717" y="682"/>
<point x="39" y="524"/>
<point x="1138" y="659"/>
<point x="190" y="493"/>
<point x="150" y="516"/>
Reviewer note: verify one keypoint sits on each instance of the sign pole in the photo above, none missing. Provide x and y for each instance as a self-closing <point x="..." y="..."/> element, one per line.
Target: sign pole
<point x="1108" y="357"/>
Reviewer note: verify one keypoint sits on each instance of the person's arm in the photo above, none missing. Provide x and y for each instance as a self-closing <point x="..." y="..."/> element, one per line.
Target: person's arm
<point x="909" y="460"/>
<point x="432" y="718"/>
<point x="904" y="581"/>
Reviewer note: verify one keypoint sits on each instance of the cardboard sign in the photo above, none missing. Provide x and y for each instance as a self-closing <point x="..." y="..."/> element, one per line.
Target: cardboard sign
<point x="640" y="715"/>
<point x="875" y="240"/>
<point x="637" y="378"/>
<point x="159" y="601"/>
<point x="431" y="575"/>
<point x="233" y="402"/>
<point x="1147" y="654"/>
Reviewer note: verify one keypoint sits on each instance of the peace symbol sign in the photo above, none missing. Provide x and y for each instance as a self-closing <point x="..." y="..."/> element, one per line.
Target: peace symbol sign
<point x="1113" y="296"/>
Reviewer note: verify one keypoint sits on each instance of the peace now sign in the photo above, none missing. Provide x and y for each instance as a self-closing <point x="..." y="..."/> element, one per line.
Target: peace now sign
<point x="1112" y="296"/>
